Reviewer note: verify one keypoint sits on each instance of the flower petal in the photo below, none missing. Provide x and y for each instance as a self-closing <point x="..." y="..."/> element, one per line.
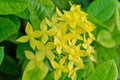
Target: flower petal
<point x="57" y="74"/>
<point x="37" y="34"/>
<point x="44" y="38"/>
<point x="29" y="55"/>
<point x="58" y="12"/>
<point x="62" y="61"/>
<point x="50" y="46"/>
<point x="29" y="29"/>
<point x="50" y="55"/>
<point x="32" y="43"/>
<point x="40" y="56"/>
<point x="23" y="39"/>
<point x="54" y="64"/>
<point x="43" y="25"/>
<point x="40" y="46"/>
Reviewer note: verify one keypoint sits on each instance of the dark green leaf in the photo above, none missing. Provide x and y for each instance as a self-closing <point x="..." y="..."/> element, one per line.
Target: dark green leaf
<point x="8" y="27"/>
<point x="62" y="4"/>
<point x="105" y="71"/>
<point x="9" y="66"/>
<point x="1" y="54"/>
<point x="20" y="50"/>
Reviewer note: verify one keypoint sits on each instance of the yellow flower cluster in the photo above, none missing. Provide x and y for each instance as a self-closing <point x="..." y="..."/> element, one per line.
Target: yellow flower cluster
<point x="64" y="41"/>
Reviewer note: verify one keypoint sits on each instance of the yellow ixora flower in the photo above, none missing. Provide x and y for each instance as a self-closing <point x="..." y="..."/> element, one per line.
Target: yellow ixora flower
<point x="45" y="32"/>
<point x="67" y="36"/>
<point x="30" y="36"/>
<point x="35" y="60"/>
<point x="46" y="50"/>
<point x="59" y="68"/>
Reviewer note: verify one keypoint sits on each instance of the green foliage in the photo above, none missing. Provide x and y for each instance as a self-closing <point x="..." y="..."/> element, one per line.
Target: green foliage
<point x="14" y="14"/>
<point x="5" y="30"/>
<point x="12" y="6"/>
<point x="104" y="38"/>
<point x="35" y="73"/>
<point x="105" y="71"/>
<point x="104" y="54"/>
<point x="39" y="9"/>
<point x="102" y="9"/>
<point x="1" y="54"/>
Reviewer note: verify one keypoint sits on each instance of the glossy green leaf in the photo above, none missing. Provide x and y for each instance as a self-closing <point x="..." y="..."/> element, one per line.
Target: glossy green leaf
<point x="1" y="54"/>
<point x="12" y="6"/>
<point x="104" y="54"/>
<point x="105" y="39"/>
<point x="105" y="71"/>
<point x="39" y="9"/>
<point x="8" y="27"/>
<point x="102" y="9"/>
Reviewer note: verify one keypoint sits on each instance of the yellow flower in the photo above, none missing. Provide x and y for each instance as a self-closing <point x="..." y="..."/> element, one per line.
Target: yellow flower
<point x="60" y="40"/>
<point x="30" y="36"/>
<point x="54" y="21"/>
<point x="46" y="50"/>
<point x="75" y="55"/>
<point x="72" y="73"/>
<point x="45" y="32"/>
<point x="35" y="60"/>
<point x="59" y="68"/>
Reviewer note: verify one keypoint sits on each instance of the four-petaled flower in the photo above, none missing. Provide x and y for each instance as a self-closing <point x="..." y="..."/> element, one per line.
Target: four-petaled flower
<point x="30" y="36"/>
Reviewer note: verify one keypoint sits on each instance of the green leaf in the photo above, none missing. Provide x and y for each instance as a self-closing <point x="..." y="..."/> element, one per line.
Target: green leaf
<point x="97" y="22"/>
<point x="84" y="3"/>
<point x="1" y="54"/>
<point x="62" y="4"/>
<point x="117" y="13"/>
<point x="105" y="71"/>
<point x="104" y="54"/>
<point x="12" y="6"/>
<point x="102" y="9"/>
<point x="9" y="66"/>
<point x="39" y="9"/>
<point x="20" y="50"/>
<point x="105" y="39"/>
<point x="34" y="74"/>
<point x="24" y="14"/>
<point x="8" y="27"/>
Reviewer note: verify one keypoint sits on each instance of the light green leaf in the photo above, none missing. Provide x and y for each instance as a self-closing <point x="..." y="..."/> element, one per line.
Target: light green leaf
<point x="12" y="6"/>
<point x="34" y="74"/>
<point x="102" y="9"/>
<point x="1" y="54"/>
<point x="105" y="39"/>
<point x="105" y="71"/>
<point x="8" y="27"/>
<point x="104" y="54"/>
